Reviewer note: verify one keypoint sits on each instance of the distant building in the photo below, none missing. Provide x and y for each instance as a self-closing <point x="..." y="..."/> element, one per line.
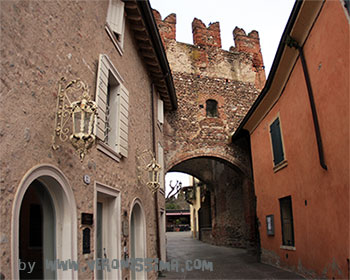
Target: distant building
<point x="195" y="207"/>
<point x="177" y="220"/>
<point x="299" y="133"/>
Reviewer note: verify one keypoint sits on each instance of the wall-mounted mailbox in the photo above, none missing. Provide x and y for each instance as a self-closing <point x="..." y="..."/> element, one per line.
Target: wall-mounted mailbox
<point x="87" y="219"/>
<point x="270" y="225"/>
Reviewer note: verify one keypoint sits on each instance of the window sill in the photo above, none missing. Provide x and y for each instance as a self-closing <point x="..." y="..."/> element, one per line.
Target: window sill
<point x="104" y="148"/>
<point x="289" y="248"/>
<point x="280" y="166"/>
<point x="116" y="43"/>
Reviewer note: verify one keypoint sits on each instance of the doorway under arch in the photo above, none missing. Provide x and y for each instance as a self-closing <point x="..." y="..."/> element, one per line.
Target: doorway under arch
<point x="44" y="208"/>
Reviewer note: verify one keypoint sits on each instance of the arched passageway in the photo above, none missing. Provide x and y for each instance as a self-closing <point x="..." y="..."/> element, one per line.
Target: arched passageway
<point x="227" y="215"/>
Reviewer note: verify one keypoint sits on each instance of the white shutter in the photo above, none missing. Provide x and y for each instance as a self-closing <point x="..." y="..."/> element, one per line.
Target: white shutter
<point x="161" y="163"/>
<point x="115" y="16"/>
<point x="123" y="121"/>
<point x="113" y="117"/>
<point x="101" y="97"/>
<point x="160" y="111"/>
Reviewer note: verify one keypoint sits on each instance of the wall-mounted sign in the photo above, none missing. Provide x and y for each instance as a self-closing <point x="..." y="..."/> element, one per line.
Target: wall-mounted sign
<point x="87" y="219"/>
<point x="270" y="225"/>
<point x="86" y="179"/>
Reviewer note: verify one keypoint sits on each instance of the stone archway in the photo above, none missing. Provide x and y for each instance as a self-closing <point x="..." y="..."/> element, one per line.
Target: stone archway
<point x="228" y="198"/>
<point x="60" y="193"/>
<point x="235" y="157"/>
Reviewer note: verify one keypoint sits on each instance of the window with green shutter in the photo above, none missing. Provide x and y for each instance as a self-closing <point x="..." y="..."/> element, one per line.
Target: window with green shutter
<point x="276" y="139"/>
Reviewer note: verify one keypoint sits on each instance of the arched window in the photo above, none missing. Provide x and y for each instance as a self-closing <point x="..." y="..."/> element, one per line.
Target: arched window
<point x="212" y="108"/>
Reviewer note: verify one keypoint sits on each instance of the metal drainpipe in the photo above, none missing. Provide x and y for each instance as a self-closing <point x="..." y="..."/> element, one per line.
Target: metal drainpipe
<point x="292" y="43"/>
<point x="154" y="152"/>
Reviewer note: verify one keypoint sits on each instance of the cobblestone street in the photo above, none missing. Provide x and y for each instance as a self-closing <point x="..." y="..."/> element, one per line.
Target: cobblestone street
<point x="228" y="263"/>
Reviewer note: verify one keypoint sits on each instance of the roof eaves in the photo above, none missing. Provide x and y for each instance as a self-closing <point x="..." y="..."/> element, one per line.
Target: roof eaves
<point x="150" y="23"/>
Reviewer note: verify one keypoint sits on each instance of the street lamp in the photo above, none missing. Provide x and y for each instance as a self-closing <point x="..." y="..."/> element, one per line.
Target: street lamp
<point x="83" y="114"/>
<point x="152" y="168"/>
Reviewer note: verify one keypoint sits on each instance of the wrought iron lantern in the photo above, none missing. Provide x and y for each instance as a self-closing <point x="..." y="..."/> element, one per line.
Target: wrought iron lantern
<point x="152" y="168"/>
<point x="82" y="113"/>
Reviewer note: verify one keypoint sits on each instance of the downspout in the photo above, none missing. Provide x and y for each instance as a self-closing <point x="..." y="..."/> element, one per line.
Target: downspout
<point x="154" y="153"/>
<point x="292" y="43"/>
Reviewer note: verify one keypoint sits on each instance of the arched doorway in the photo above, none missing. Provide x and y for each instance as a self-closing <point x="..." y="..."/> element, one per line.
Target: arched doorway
<point x="36" y="233"/>
<point x="44" y="225"/>
<point x="137" y="238"/>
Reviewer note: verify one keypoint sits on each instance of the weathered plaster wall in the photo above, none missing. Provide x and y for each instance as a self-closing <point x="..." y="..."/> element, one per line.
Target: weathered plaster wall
<point x="40" y="43"/>
<point x="320" y="199"/>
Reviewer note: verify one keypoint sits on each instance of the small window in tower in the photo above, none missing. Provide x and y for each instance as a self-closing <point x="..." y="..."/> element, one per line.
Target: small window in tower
<point x="212" y="108"/>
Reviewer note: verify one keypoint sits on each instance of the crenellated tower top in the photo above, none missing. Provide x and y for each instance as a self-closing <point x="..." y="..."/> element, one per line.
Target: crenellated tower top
<point x="205" y="57"/>
<point x="206" y="36"/>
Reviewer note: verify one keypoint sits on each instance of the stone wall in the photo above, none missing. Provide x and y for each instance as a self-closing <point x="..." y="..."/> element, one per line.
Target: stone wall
<point x="198" y="143"/>
<point x="204" y="71"/>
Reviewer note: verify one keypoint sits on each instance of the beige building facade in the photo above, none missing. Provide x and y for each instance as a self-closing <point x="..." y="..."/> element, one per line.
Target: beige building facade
<point x="55" y="206"/>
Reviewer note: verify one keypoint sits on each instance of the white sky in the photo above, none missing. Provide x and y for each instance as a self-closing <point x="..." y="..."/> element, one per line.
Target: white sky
<point x="268" y="17"/>
<point x="174" y="176"/>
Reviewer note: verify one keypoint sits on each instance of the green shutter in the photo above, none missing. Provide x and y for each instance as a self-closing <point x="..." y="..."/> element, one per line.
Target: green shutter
<point x="276" y="138"/>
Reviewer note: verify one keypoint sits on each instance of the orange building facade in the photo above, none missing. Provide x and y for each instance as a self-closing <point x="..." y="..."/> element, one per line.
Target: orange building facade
<point x="299" y="133"/>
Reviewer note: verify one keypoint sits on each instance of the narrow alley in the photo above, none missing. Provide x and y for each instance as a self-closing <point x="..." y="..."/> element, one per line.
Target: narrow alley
<point x="228" y="263"/>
